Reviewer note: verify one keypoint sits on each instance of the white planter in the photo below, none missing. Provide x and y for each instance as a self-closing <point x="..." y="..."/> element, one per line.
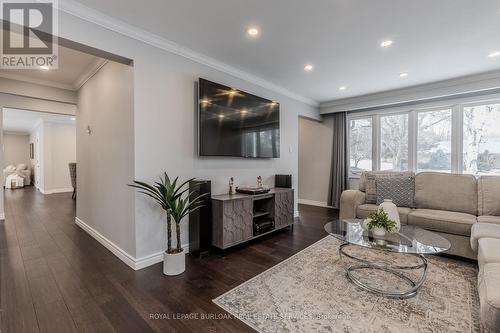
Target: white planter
<point x="392" y="210"/>
<point x="378" y="232"/>
<point x="174" y="264"/>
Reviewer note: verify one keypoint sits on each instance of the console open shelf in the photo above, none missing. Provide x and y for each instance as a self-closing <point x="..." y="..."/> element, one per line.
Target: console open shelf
<point x="235" y="215"/>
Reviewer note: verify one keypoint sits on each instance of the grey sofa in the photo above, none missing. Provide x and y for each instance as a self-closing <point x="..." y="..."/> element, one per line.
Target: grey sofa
<point x="485" y="239"/>
<point x="449" y="204"/>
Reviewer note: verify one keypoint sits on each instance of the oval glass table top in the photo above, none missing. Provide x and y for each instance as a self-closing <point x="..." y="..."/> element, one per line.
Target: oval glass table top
<point x="409" y="239"/>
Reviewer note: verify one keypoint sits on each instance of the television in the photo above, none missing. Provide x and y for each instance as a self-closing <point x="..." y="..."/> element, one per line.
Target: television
<point x="234" y="123"/>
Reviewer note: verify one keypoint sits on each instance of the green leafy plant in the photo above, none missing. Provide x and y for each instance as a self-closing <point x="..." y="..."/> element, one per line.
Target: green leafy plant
<point x="175" y="199"/>
<point x="380" y="219"/>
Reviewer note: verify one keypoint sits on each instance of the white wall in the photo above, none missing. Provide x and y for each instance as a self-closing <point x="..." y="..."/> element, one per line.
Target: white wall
<point x="57" y="148"/>
<point x="16" y="148"/>
<point x="315" y="160"/>
<point x="59" y="141"/>
<point x="165" y="123"/>
<point x="105" y="158"/>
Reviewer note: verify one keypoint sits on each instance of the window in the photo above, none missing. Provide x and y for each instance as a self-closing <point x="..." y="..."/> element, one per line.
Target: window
<point x="481" y="139"/>
<point x="434" y="141"/>
<point x="455" y="138"/>
<point x="360" y="145"/>
<point x="394" y="142"/>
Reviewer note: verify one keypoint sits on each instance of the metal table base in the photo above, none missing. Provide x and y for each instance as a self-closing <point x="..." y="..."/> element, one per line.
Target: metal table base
<point x="392" y="269"/>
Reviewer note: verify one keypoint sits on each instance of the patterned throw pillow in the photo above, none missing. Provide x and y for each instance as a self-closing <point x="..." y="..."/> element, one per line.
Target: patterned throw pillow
<point x="401" y="190"/>
<point x="371" y="189"/>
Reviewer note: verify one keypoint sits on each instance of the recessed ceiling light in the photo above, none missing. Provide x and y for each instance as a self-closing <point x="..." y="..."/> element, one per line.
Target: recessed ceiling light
<point x="253" y="32"/>
<point x="233" y="92"/>
<point x="308" y="67"/>
<point x="404" y="74"/>
<point x="73" y="118"/>
<point x="494" y="54"/>
<point x="342" y="88"/>
<point x="386" y="43"/>
<point x="45" y="68"/>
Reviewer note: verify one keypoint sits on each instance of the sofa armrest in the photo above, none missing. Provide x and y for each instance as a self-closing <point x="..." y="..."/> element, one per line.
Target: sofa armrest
<point x="349" y="202"/>
<point x="483" y="230"/>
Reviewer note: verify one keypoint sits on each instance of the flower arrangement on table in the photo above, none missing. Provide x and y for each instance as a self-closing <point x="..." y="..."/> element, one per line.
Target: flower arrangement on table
<point x="379" y="223"/>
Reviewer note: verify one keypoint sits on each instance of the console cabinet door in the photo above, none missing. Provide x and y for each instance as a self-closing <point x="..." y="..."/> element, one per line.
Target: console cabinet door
<point x="283" y="208"/>
<point x="232" y="222"/>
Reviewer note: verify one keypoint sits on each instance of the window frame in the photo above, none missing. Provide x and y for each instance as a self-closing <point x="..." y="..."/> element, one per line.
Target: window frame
<point x="348" y="142"/>
<point x="456" y="106"/>
<point x="460" y="143"/>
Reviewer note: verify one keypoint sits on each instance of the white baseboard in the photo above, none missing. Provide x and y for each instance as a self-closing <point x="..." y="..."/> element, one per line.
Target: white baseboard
<point x="2" y="216"/>
<point x="313" y="203"/>
<point x="56" y="190"/>
<point x="132" y="262"/>
<point x="296" y="213"/>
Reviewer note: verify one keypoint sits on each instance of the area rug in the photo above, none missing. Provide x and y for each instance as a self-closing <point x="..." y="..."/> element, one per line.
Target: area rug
<point x="309" y="292"/>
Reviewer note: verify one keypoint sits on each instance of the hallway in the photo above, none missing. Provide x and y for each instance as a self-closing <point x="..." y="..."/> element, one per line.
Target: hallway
<point x="55" y="278"/>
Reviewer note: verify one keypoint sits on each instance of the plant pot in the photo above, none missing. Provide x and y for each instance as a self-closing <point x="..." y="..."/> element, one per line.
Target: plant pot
<point x="174" y="263"/>
<point x="378" y="232"/>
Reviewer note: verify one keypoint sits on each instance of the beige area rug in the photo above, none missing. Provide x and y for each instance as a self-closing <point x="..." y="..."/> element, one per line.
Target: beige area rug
<point x="309" y="292"/>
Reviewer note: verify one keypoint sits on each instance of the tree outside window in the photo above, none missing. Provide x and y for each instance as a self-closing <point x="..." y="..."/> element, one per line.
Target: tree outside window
<point x="481" y="139"/>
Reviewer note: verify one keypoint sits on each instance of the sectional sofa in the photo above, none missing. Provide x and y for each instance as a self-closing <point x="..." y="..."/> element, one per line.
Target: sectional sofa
<point x="485" y="239"/>
<point x="449" y="204"/>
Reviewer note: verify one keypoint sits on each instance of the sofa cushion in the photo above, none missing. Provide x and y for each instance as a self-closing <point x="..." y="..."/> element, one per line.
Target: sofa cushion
<point x="400" y="189"/>
<point x="21" y="167"/>
<point x="483" y="230"/>
<point x="489" y="296"/>
<point x="442" y="220"/>
<point x="364" y="210"/>
<point x="488" y="193"/>
<point x="488" y="251"/>
<point x="443" y="191"/>
<point x="488" y="219"/>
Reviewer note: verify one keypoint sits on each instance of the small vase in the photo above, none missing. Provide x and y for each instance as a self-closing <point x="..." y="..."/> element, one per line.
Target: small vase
<point x="392" y="211"/>
<point x="378" y="232"/>
<point x="174" y="263"/>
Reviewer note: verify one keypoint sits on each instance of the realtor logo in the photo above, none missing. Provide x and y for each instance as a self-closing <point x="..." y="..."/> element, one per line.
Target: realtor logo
<point x="28" y="34"/>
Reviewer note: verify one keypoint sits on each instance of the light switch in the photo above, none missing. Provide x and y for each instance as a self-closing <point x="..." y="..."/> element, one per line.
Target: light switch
<point x="290" y="149"/>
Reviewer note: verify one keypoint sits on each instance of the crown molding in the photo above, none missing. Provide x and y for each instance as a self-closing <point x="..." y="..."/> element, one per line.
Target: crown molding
<point x="88" y="14"/>
<point x="90" y="71"/>
<point x="482" y="83"/>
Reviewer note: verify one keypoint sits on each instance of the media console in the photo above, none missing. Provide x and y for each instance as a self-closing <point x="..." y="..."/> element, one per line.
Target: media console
<point x="238" y="218"/>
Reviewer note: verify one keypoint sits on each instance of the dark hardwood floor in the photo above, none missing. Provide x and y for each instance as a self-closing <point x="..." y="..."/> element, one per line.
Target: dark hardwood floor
<point x="54" y="277"/>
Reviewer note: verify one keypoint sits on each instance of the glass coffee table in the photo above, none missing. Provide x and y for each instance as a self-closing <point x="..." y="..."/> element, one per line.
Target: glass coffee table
<point x="409" y="241"/>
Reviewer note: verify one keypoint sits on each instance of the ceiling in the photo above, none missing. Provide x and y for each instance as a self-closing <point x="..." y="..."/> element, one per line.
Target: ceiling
<point x="72" y="68"/>
<point x="433" y="40"/>
<point x="22" y="121"/>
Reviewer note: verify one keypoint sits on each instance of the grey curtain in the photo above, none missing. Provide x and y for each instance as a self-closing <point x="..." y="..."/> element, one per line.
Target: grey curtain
<point x="339" y="167"/>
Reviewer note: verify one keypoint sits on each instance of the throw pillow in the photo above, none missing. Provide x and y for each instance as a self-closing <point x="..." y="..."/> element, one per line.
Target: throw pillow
<point x="10" y="168"/>
<point x="371" y="189"/>
<point x="401" y="190"/>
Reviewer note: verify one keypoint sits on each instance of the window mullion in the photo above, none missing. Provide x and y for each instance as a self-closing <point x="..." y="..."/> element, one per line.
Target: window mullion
<point x="376" y="142"/>
<point x="412" y="141"/>
<point x="457" y="139"/>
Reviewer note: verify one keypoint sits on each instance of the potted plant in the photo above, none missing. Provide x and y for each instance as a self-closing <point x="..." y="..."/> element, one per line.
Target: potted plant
<point x="379" y="223"/>
<point x="177" y="203"/>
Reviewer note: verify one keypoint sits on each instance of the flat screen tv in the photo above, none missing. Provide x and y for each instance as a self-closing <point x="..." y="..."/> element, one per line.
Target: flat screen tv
<point x="235" y="123"/>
